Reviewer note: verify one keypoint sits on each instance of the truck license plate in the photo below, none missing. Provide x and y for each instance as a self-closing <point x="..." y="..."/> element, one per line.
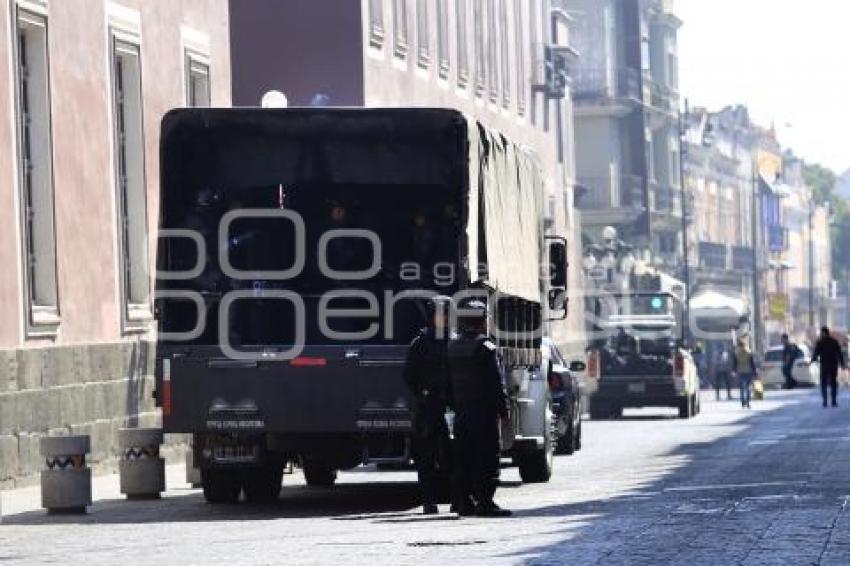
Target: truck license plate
<point x="637" y="388"/>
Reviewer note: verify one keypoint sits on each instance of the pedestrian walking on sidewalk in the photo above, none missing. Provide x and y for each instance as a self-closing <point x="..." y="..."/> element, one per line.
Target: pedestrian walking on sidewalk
<point x="790" y="354"/>
<point x="828" y="353"/>
<point x="745" y="367"/>
<point x="723" y="371"/>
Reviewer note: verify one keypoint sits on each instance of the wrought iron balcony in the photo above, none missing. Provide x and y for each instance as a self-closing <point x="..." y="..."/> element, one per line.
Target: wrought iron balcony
<point x="625" y="191"/>
<point x="597" y="85"/>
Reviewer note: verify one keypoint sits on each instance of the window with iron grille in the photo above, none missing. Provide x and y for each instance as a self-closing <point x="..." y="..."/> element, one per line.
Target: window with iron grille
<point x="505" y="51"/>
<point x="376" y="23"/>
<point x="400" y="37"/>
<point x="197" y="81"/>
<point x="521" y="37"/>
<point x="35" y="153"/>
<point x="130" y="177"/>
<point x="423" y="33"/>
<point x="480" y="47"/>
<point x="493" y="50"/>
<point x="443" y="38"/>
<point x="462" y="48"/>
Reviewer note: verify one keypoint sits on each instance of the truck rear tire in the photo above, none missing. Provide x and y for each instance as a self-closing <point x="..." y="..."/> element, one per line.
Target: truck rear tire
<point x="262" y="485"/>
<point x="220" y="485"/>
<point x="685" y="406"/>
<point x="319" y="474"/>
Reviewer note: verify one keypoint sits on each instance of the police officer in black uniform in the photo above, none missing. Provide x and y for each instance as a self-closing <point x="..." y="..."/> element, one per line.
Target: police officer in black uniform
<point x="426" y="374"/>
<point x="480" y="400"/>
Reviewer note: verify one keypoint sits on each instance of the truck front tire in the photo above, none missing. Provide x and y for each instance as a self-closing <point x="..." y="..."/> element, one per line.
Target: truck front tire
<point x="263" y="484"/>
<point x="536" y="466"/>
<point x="319" y="474"/>
<point x="220" y="485"/>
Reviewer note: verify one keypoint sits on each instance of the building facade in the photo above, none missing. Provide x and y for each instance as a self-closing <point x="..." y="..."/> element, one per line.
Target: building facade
<point x="720" y="183"/>
<point x="808" y="256"/>
<point x="86" y="84"/>
<point x="492" y="59"/>
<point x="626" y="104"/>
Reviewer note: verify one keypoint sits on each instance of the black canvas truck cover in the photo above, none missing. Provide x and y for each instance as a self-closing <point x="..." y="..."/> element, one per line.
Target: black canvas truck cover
<point x="498" y="182"/>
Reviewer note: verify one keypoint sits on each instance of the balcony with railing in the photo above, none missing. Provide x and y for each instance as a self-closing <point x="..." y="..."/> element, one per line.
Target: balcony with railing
<point x="595" y="85"/>
<point x="742" y="258"/>
<point x="625" y="191"/>
<point x="664" y="199"/>
<point x="713" y="255"/>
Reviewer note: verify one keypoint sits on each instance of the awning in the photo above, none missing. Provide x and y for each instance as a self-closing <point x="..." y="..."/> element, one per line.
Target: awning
<point x="714" y="310"/>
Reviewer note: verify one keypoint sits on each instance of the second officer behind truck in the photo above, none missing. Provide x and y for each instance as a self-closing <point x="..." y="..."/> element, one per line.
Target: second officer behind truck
<point x="479" y="400"/>
<point x="426" y="375"/>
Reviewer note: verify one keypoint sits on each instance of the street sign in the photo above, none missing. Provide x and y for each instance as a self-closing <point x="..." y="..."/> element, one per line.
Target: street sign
<point x="777" y="306"/>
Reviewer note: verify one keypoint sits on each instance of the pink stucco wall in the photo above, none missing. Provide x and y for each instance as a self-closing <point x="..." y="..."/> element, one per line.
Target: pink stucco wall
<point x="86" y="230"/>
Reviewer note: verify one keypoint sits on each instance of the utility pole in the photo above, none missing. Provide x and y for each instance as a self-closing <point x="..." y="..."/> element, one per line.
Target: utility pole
<point x="756" y="329"/>
<point x="847" y="298"/>
<point x="811" y="262"/>
<point x="683" y="124"/>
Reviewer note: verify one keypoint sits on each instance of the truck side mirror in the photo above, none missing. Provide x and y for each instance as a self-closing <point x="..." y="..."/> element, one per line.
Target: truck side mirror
<point x="558" y="263"/>
<point x="577" y="366"/>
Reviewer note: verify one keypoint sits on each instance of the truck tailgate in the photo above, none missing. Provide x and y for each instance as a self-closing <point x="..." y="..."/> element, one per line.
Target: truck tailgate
<point x="324" y="390"/>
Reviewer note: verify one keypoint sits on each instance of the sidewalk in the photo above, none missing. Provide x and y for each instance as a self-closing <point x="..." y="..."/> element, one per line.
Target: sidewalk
<point x="104" y="487"/>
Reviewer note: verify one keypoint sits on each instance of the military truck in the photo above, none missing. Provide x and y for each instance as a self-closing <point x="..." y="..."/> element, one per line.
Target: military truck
<point x="297" y="251"/>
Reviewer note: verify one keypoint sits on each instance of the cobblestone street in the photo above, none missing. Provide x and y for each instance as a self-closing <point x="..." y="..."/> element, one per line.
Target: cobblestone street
<point x="768" y="486"/>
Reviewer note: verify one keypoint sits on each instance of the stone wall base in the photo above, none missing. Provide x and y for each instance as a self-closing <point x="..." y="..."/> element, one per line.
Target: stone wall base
<point x="92" y="389"/>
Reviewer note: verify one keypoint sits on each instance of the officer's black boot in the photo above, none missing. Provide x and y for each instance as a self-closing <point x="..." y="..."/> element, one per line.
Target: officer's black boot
<point x="490" y="509"/>
<point x="430" y="509"/>
<point x="464" y="507"/>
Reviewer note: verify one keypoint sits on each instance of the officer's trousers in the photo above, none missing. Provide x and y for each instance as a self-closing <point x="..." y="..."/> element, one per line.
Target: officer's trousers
<point x="476" y="465"/>
<point x="431" y="450"/>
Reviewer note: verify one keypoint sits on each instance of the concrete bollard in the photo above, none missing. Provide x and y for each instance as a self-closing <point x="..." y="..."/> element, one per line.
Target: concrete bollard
<point x="66" y="483"/>
<point x="193" y="471"/>
<point x="141" y="470"/>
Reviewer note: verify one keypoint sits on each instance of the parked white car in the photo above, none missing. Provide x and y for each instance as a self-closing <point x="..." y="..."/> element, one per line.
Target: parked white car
<point x="805" y="372"/>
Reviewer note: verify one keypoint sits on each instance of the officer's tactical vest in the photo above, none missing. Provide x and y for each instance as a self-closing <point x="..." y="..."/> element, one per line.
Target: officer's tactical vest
<point x="466" y="369"/>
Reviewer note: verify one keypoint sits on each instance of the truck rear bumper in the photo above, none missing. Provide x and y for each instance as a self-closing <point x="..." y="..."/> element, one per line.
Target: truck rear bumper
<point x="641" y="391"/>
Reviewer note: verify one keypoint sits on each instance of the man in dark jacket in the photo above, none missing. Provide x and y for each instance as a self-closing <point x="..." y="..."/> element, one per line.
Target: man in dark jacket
<point x="828" y="353"/>
<point x="479" y="399"/>
<point x="426" y="374"/>
<point x="790" y="354"/>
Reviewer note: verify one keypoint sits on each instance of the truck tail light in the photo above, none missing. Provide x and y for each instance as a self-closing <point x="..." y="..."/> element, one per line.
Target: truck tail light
<point x="679" y="365"/>
<point x="593" y="364"/>
<point x="555" y="382"/>
<point x="306" y="361"/>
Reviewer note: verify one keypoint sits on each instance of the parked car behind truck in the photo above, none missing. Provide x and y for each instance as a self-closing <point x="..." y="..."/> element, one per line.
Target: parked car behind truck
<point x="297" y="250"/>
